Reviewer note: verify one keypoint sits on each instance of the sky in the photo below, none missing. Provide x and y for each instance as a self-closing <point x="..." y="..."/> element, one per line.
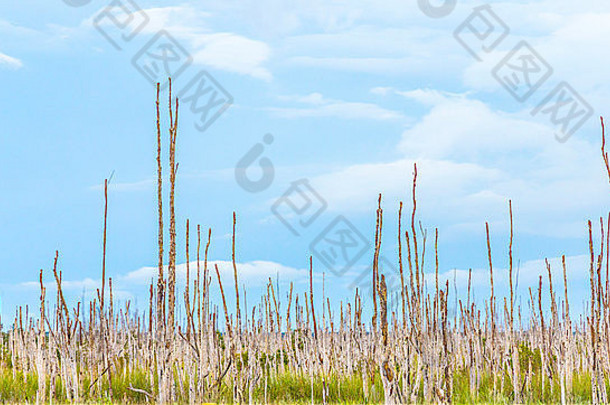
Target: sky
<point x="296" y="115"/>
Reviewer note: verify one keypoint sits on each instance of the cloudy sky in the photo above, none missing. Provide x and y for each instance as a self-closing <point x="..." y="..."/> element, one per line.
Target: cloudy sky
<point x="296" y="115"/>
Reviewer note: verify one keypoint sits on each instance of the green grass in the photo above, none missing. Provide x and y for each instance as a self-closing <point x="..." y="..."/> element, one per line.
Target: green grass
<point x="15" y="386"/>
<point x="297" y="389"/>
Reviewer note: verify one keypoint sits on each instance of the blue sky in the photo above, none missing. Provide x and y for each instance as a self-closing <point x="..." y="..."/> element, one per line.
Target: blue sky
<point x="353" y="94"/>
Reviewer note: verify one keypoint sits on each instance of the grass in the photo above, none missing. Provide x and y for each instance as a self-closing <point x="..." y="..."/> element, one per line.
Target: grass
<point x="293" y="388"/>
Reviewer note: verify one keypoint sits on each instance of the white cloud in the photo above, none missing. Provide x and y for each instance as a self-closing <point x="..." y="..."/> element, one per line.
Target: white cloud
<point x="278" y="18"/>
<point x="190" y="26"/>
<point x="9" y="61"/>
<point x="570" y="42"/>
<point x="471" y="161"/>
<point x="221" y="50"/>
<point x="254" y="273"/>
<point x="469" y="129"/>
<point x="397" y="39"/>
<point x="574" y="48"/>
<point x="383" y="44"/>
<point x="77" y="289"/>
<point x="319" y="106"/>
<point x="427" y="97"/>
<point x="233" y="53"/>
<point x="68" y="285"/>
<point x="134" y="285"/>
